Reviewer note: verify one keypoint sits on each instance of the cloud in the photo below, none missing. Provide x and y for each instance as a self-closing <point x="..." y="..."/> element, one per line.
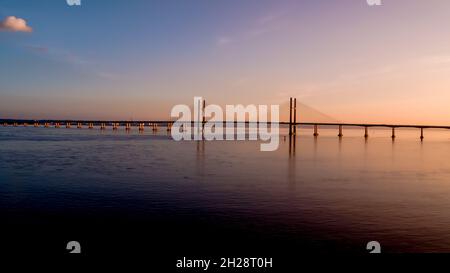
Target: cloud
<point x="272" y="17"/>
<point x="39" y="49"/>
<point x="224" y="40"/>
<point x="436" y="60"/>
<point x="14" y="24"/>
<point x="266" y="24"/>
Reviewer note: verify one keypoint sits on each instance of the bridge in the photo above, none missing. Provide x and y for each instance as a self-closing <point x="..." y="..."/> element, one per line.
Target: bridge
<point x="155" y="124"/>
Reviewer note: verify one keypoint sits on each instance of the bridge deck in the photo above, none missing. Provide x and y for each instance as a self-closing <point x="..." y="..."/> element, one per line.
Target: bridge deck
<point x="165" y="122"/>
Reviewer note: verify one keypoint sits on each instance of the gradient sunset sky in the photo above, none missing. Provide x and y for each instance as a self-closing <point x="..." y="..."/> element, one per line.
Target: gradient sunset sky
<point x="135" y="59"/>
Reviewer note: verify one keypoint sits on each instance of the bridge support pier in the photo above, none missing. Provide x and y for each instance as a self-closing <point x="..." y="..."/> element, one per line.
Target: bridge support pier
<point x="421" y="134"/>
<point x="290" y="116"/>
<point x="203" y="117"/>
<point x="393" y="132"/>
<point x="154" y="127"/>
<point x="340" y="131"/>
<point x="295" y="117"/>
<point x="366" y="132"/>
<point x="316" y="130"/>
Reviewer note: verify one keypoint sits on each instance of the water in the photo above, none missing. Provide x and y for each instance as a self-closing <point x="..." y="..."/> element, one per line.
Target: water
<point x="124" y="193"/>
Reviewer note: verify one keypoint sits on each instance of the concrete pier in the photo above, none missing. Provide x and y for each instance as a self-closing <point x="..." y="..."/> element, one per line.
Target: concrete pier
<point x="295" y="117"/>
<point x="203" y="117"/>
<point x="290" y="116"/>
<point x="340" y="131"/>
<point x="316" y="130"/>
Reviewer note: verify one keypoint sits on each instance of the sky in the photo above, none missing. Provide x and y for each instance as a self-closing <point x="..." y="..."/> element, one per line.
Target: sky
<point x="136" y="59"/>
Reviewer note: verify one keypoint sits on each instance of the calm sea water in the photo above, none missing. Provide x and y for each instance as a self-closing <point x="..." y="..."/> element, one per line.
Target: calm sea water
<point x="120" y="192"/>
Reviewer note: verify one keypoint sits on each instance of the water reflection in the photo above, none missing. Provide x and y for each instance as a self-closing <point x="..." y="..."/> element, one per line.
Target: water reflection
<point x="325" y="190"/>
<point x="200" y="157"/>
<point x="292" y="141"/>
<point x="292" y="162"/>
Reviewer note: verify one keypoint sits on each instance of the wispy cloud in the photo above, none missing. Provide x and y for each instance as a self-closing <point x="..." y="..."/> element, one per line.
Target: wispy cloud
<point x="106" y="75"/>
<point x="436" y="60"/>
<point x="58" y="54"/>
<point x="224" y="40"/>
<point x="14" y="24"/>
<point x="72" y="59"/>
<point x="340" y="83"/>
<point x="39" y="49"/>
<point x="268" y="23"/>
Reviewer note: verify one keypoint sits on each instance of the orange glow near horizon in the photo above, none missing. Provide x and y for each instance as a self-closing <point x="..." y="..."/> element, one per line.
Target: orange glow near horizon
<point x="346" y="61"/>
